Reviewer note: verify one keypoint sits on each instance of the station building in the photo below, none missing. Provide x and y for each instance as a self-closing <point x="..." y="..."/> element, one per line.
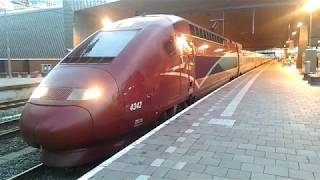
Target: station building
<point x="35" y="38"/>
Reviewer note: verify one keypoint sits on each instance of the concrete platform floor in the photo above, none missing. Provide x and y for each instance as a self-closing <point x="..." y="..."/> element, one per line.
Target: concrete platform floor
<point x="263" y="125"/>
<point x="5" y="82"/>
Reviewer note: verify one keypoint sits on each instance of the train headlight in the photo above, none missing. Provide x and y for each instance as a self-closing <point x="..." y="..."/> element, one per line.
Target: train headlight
<point x="85" y="94"/>
<point x="92" y="93"/>
<point x="39" y="92"/>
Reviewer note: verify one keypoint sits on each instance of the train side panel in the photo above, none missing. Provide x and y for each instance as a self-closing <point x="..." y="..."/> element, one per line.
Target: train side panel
<point x="214" y="65"/>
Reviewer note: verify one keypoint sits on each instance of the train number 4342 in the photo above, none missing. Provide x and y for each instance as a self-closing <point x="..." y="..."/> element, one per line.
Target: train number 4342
<point x="136" y="106"/>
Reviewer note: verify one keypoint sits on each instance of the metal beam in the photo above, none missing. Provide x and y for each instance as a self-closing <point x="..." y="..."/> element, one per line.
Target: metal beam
<point x="253" y="20"/>
<point x="247" y="6"/>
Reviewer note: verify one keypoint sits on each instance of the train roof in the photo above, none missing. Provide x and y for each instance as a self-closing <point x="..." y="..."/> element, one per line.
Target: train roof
<point x="175" y="19"/>
<point x="139" y="22"/>
<point x="145" y="20"/>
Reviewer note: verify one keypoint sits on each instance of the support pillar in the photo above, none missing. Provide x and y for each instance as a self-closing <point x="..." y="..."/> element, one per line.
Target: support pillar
<point x="302" y="45"/>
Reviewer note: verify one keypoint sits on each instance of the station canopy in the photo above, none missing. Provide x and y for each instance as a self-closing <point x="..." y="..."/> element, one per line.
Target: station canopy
<point x="257" y="24"/>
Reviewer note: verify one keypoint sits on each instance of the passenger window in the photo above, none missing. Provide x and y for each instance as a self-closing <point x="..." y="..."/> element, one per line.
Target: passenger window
<point x="192" y="29"/>
<point x="197" y="32"/>
<point x="202" y="34"/>
<point x="207" y="35"/>
<point x="169" y="47"/>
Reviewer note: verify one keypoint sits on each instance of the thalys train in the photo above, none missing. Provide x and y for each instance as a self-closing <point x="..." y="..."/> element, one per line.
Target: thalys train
<point x="124" y="77"/>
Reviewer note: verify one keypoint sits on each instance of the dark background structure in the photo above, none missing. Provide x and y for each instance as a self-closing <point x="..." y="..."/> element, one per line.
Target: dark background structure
<point x="42" y="35"/>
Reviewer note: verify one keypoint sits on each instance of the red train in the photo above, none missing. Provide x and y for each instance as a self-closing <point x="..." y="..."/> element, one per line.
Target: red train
<point x="125" y="77"/>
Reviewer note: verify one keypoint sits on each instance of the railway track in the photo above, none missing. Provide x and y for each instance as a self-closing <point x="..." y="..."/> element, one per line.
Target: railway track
<point x="29" y="173"/>
<point x="9" y="128"/>
<point x="41" y="171"/>
<point x="12" y="104"/>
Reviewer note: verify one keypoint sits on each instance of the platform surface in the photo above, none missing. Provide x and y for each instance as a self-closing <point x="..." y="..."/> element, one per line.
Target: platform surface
<point x="263" y="125"/>
<point x="6" y="82"/>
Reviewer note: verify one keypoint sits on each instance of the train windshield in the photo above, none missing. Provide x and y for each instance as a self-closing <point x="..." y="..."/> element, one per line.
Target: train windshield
<point x="101" y="47"/>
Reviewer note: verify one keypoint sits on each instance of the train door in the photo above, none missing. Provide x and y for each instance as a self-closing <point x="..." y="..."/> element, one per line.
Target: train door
<point x="137" y="100"/>
<point x="238" y="59"/>
<point x="191" y="70"/>
<point x="187" y="72"/>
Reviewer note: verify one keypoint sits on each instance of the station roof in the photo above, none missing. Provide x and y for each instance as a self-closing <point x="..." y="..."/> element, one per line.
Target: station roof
<point x="188" y="6"/>
<point x="270" y="28"/>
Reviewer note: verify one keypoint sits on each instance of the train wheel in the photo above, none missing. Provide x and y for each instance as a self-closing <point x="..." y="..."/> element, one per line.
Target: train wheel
<point x="172" y="111"/>
<point x="182" y="106"/>
<point x="163" y="117"/>
<point x="191" y="100"/>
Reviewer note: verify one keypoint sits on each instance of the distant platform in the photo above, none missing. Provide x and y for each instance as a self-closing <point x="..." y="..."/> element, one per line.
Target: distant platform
<point x="314" y="79"/>
<point x="18" y="83"/>
<point x="262" y="126"/>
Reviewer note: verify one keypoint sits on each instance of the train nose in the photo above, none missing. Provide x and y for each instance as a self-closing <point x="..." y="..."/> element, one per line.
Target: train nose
<point x="62" y="111"/>
<point x="56" y="127"/>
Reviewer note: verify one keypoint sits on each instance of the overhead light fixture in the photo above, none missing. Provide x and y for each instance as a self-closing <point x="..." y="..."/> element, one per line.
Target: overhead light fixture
<point x="205" y="46"/>
<point x="299" y="24"/>
<point x="106" y="22"/>
<point x="312" y="5"/>
<point x="219" y="50"/>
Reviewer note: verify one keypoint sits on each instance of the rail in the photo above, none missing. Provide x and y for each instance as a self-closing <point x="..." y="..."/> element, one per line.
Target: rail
<point x="12" y="104"/>
<point x="9" y="128"/>
<point x="29" y="172"/>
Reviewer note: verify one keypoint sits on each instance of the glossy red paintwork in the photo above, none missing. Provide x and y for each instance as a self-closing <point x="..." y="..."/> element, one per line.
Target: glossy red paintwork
<point x="143" y="72"/>
<point x="57" y="127"/>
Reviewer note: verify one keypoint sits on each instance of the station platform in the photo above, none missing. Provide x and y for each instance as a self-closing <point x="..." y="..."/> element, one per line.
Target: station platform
<point x="263" y="125"/>
<point x="18" y="83"/>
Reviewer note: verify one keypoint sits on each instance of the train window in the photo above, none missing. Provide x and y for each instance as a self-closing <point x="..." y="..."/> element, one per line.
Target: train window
<point x="169" y="47"/>
<point x="199" y="32"/>
<point x="221" y="40"/>
<point x="195" y="31"/>
<point x="192" y="29"/>
<point x="202" y="33"/>
<point x="104" y="44"/>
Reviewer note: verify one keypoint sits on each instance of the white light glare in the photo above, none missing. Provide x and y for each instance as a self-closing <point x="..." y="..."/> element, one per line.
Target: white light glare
<point x="107" y="23"/>
<point x="312" y="5"/>
<point x="39" y="92"/>
<point x="205" y="46"/>
<point x="219" y="50"/>
<point x="92" y="93"/>
<point x="181" y="42"/>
